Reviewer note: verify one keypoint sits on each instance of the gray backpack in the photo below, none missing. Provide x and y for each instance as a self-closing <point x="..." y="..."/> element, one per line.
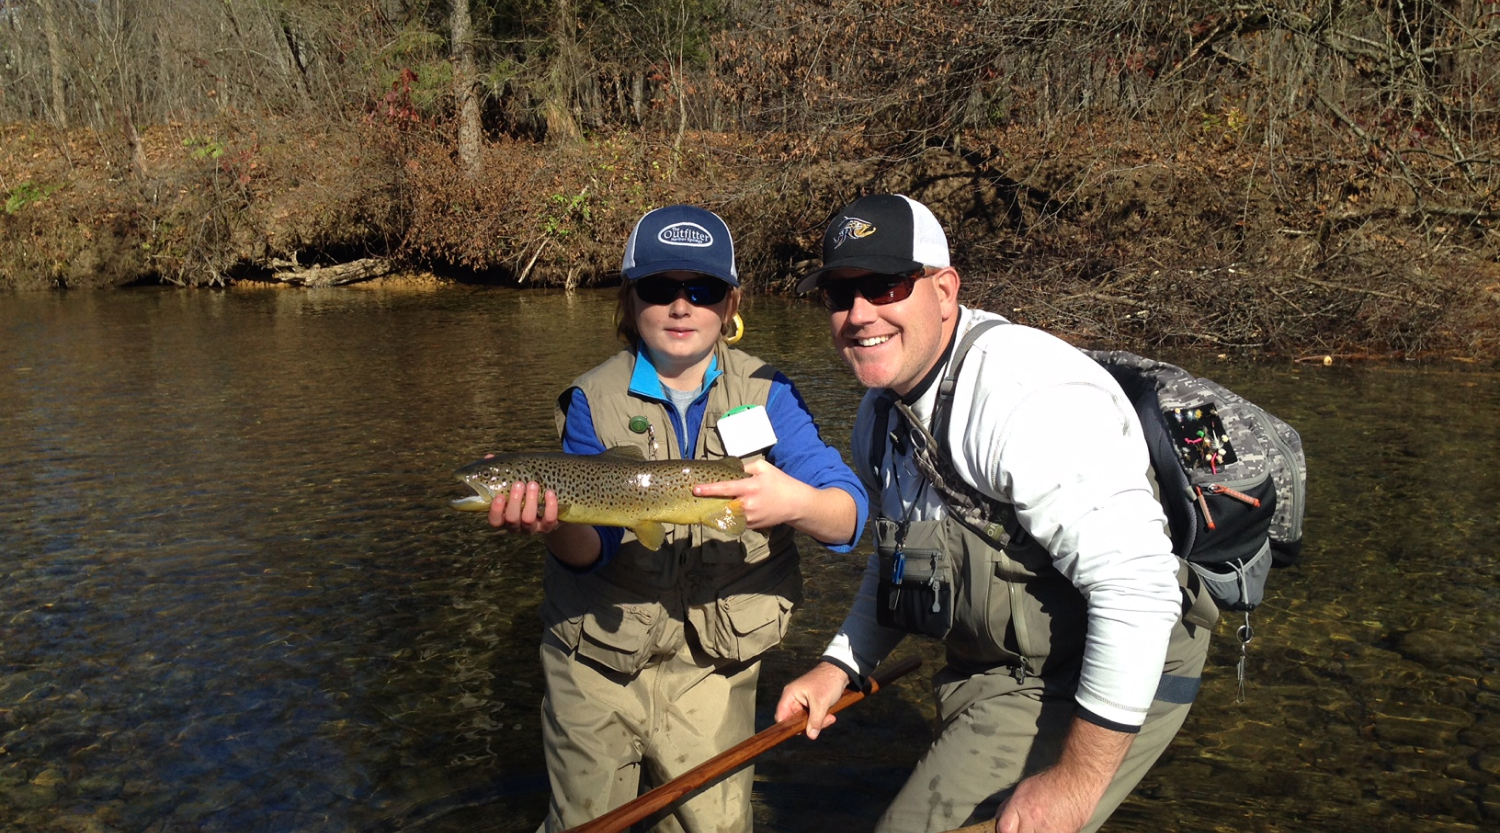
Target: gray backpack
<point x="1233" y="477"/>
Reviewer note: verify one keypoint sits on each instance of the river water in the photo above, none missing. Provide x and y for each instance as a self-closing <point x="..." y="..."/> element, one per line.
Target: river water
<point x="232" y="596"/>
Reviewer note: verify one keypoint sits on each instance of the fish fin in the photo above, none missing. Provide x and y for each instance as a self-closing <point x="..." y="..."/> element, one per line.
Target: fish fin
<point x="729" y="520"/>
<point x="472" y="503"/>
<point x="733" y="462"/>
<point x="562" y="510"/>
<point x="624" y="452"/>
<point x="650" y="533"/>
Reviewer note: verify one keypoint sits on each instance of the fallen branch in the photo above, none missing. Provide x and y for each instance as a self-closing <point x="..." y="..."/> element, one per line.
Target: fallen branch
<point x="1404" y="212"/>
<point x="1375" y="292"/>
<point x="336" y="275"/>
<point x="1108" y="299"/>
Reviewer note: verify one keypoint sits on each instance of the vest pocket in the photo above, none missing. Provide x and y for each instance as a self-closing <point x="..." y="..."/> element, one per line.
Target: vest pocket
<point x="620" y="637"/>
<point x="1238" y="584"/>
<point x="916" y="578"/>
<point x="747" y="625"/>
<point x="750" y="615"/>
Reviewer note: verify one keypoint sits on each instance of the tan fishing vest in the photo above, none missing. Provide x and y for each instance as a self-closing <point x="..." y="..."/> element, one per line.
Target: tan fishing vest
<point x="732" y="597"/>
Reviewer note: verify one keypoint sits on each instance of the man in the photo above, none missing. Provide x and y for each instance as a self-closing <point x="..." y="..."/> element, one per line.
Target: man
<point x="1015" y="519"/>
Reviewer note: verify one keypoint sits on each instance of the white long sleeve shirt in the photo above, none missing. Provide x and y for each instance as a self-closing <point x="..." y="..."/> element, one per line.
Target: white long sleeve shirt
<point x="1038" y="424"/>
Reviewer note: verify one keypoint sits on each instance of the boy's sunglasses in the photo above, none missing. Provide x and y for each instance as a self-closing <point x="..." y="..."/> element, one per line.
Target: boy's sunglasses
<point x="701" y="292"/>
<point x="879" y="290"/>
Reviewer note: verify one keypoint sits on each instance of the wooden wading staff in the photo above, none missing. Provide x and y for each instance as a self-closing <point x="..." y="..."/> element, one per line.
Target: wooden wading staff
<point x="730" y="759"/>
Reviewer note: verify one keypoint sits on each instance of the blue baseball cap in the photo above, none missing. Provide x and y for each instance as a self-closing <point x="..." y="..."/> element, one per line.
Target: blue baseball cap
<point x="680" y="237"/>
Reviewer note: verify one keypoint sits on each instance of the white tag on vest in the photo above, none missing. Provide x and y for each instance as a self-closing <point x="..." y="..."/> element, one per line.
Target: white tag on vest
<point x="746" y="430"/>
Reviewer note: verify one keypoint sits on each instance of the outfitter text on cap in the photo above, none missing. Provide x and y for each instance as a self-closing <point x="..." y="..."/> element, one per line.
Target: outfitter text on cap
<point x="887" y="233"/>
<point x="680" y="238"/>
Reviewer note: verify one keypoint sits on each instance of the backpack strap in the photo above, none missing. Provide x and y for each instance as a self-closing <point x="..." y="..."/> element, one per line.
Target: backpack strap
<point x="941" y="409"/>
<point x="994" y="521"/>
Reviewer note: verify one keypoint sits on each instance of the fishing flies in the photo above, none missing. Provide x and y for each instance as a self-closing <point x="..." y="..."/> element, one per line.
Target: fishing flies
<point x="1199" y="437"/>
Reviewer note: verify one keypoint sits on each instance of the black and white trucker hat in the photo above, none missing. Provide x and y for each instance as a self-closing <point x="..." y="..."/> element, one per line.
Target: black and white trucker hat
<point x="887" y="233"/>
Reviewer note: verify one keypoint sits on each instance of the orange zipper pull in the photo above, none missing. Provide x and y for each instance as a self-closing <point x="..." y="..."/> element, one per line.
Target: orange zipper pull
<point x="1203" y="504"/>
<point x="1239" y="496"/>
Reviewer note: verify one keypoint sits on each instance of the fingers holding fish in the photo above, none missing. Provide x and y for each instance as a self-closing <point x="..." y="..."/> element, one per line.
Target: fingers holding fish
<point x="525" y="509"/>
<point x="768" y="495"/>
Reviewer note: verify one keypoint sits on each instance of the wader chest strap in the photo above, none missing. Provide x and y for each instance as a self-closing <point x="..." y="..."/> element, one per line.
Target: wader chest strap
<point x="994" y="521"/>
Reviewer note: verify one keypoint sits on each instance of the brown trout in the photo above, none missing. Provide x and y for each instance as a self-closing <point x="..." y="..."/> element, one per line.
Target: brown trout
<point x="617" y="488"/>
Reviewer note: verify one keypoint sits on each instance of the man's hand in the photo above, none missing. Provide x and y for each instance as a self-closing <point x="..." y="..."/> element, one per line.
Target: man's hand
<point x="1062" y="799"/>
<point x="813" y="693"/>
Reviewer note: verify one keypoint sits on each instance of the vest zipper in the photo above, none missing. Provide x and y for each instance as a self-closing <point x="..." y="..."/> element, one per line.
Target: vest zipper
<point x="1220" y="489"/>
<point x="937" y="606"/>
<point x="1023" y="635"/>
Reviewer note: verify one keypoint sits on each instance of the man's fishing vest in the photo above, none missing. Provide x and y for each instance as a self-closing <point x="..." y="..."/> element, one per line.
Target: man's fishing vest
<point x="973" y="578"/>
<point x="731" y="597"/>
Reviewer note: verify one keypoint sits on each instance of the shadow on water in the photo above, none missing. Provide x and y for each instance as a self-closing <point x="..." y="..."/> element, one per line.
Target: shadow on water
<point x="234" y="598"/>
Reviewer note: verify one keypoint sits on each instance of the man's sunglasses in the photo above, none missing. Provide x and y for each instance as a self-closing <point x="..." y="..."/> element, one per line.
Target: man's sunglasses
<point x="701" y="292"/>
<point x="879" y="290"/>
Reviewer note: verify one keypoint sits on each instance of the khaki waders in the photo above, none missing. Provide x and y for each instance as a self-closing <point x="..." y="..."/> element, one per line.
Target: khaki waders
<point x="651" y="661"/>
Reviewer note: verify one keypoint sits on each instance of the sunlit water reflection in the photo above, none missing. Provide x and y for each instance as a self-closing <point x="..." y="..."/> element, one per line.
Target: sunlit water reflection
<point x="234" y="599"/>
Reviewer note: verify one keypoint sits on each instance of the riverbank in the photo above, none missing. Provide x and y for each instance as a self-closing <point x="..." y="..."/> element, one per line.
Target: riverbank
<point x="1131" y="234"/>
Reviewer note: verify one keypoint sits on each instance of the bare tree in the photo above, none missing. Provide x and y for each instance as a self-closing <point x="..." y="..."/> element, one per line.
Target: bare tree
<point x="562" y="74"/>
<point x="465" y="89"/>
<point x="56" y="62"/>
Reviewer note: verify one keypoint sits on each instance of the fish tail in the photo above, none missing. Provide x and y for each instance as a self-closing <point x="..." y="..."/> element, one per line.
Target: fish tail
<point x="730" y="519"/>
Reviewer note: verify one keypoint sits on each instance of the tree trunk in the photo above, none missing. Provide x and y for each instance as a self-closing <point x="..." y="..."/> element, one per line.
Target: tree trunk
<point x="638" y="97"/>
<point x="465" y="91"/>
<point x="55" y="57"/>
<point x="557" y="98"/>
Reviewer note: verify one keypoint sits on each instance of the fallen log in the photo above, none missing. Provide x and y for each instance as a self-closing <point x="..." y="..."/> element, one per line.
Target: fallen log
<point x="338" y="274"/>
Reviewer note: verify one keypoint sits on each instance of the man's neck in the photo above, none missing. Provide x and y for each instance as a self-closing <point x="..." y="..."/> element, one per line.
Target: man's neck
<point x="936" y="370"/>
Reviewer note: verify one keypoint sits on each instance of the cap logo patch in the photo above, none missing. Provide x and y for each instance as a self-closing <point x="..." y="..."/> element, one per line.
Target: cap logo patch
<point x="853" y="228"/>
<point x="686" y="234"/>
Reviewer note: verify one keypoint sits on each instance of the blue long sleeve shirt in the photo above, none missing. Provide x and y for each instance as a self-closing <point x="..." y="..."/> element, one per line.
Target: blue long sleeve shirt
<point x="799" y="450"/>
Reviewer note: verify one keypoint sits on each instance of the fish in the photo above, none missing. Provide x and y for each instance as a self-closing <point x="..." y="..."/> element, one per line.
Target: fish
<point x="618" y="487"/>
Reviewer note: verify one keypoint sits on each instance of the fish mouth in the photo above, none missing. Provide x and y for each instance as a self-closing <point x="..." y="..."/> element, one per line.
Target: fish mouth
<point x="478" y="502"/>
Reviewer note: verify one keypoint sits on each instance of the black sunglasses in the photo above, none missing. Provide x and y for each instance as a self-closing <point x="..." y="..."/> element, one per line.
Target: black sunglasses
<point x="879" y="290"/>
<point x="701" y="292"/>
